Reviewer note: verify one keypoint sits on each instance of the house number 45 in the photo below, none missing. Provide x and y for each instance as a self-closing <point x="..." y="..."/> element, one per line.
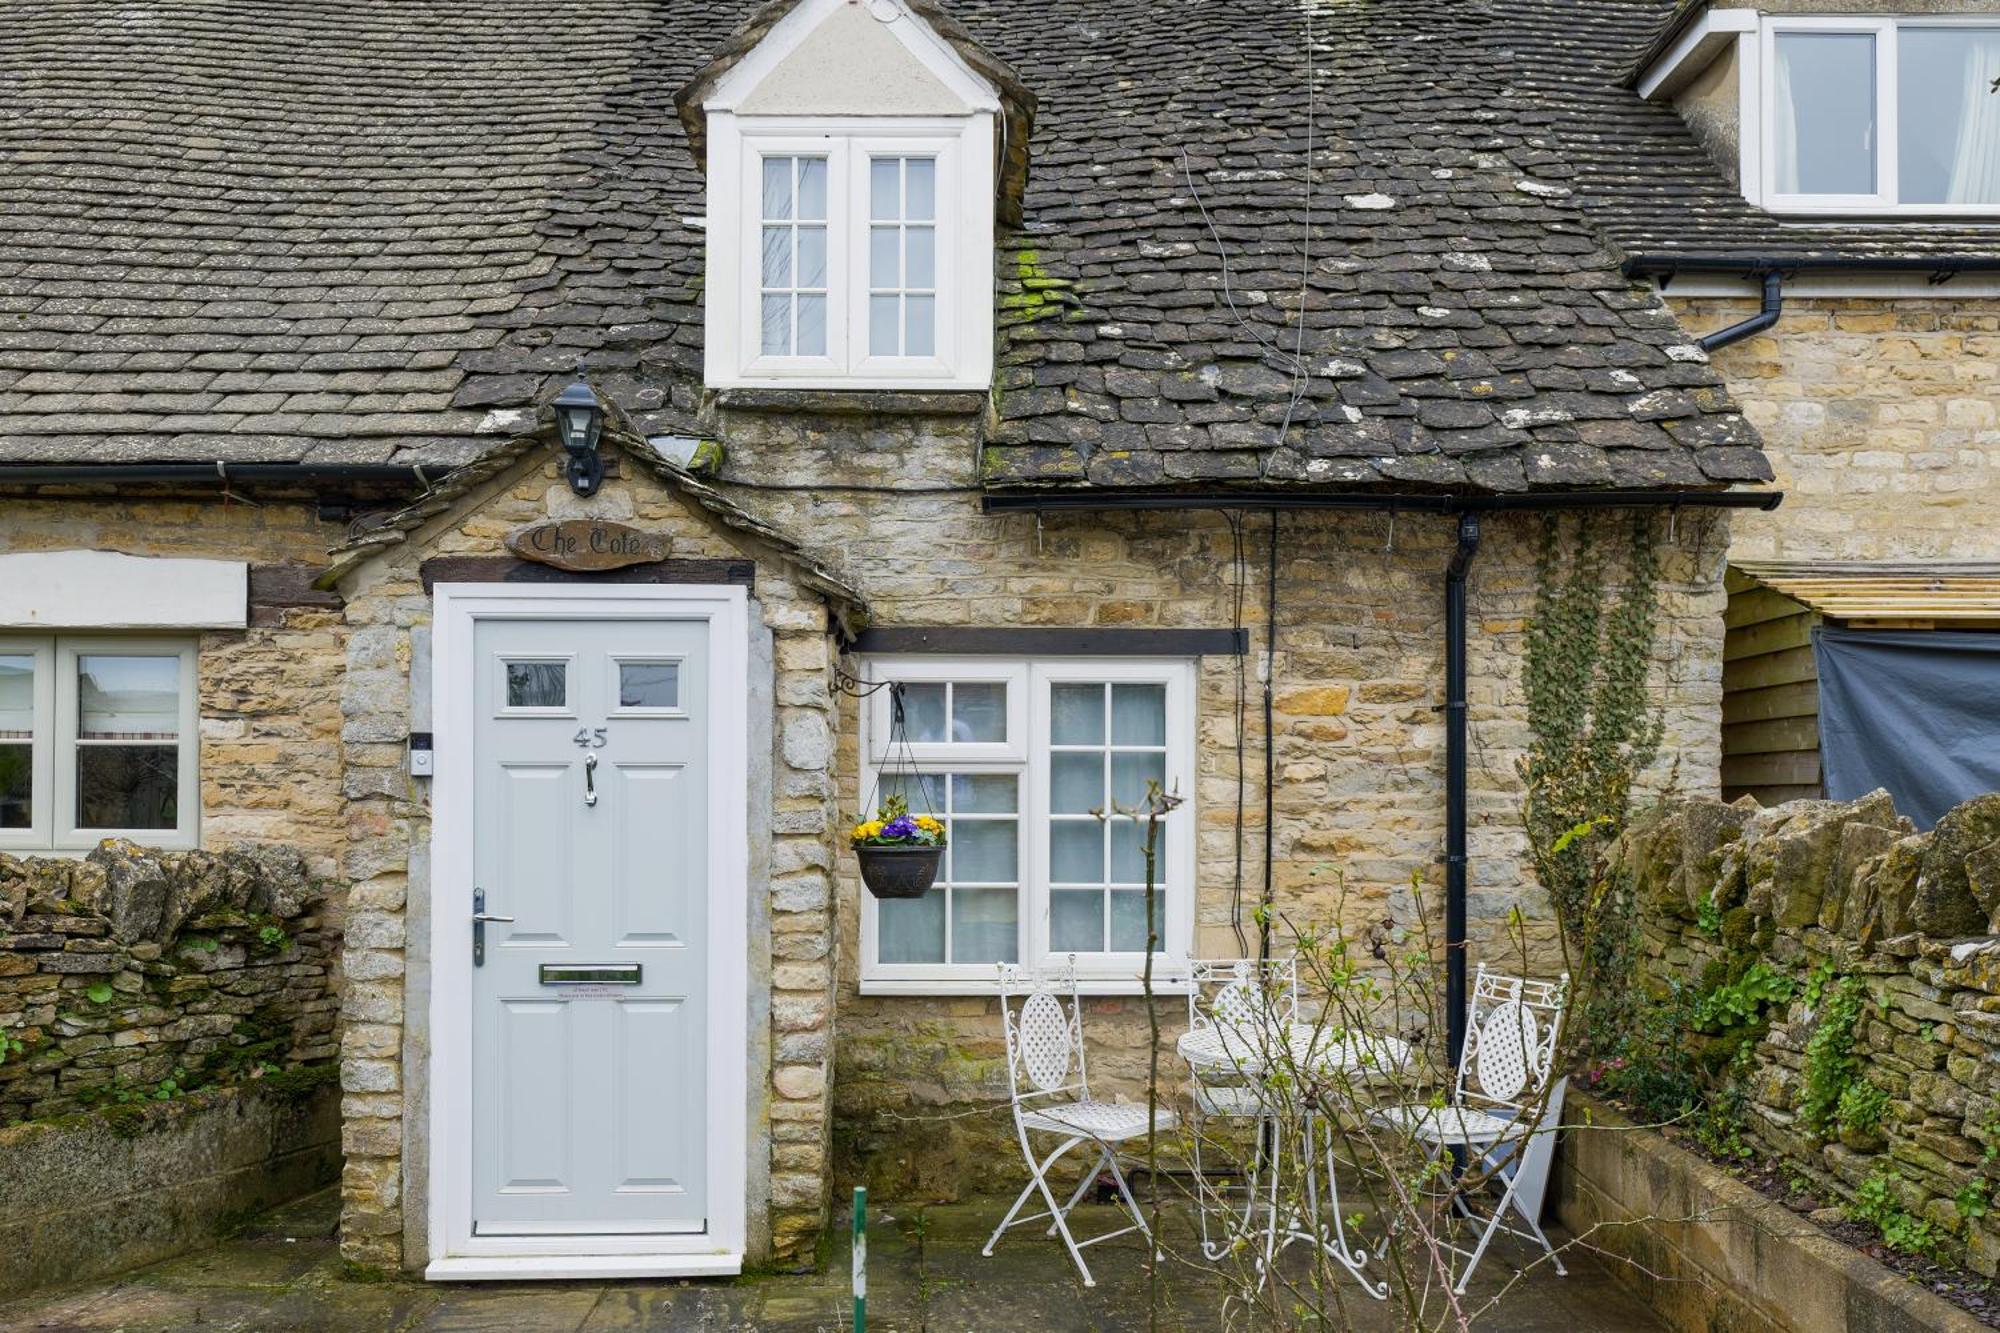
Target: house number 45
<point x="591" y="738"/>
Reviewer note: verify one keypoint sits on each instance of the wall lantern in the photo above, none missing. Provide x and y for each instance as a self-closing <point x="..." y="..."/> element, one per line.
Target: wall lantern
<point x="579" y="422"/>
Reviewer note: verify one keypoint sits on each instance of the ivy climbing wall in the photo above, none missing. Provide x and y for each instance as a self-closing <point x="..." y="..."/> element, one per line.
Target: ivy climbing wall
<point x="1821" y="989"/>
<point x="132" y="976"/>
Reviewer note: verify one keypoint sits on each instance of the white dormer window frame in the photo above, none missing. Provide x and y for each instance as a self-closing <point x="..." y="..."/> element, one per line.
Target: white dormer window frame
<point x="1757" y="37"/>
<point x="872" y="314"/>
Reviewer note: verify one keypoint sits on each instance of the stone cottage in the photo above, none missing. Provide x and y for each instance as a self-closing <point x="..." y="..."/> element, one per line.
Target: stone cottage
<point x="1164" y="392"/>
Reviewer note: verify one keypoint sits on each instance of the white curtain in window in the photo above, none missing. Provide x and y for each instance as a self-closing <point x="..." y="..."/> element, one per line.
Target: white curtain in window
<point x="1785" y="123"/>
<point x="1975" y="172"/>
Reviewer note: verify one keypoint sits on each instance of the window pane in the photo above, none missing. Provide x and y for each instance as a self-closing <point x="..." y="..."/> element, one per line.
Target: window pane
<point x="812" y="326"/>
<point x="812" y="256"/>
<point x="920" y="176"/>
<point x="978" y="712"/>
<point x="777" y="257"/>
<point x="537" y="685"/>
<point x="1128" y="853"/>
<point x="920" y="245"/>
<point x="1076" y="715"/>
<point x="911" y="930"/>
<point x="649" y="684"/>
<point x="985" y="851"/>
<point x="812" y="189"/>
<point x="920" y="336"/>
<point x="1076" y="921"/>
<point x="989" y="794"/>
<point x="1824" y="102"/>
<point x="985" y="926"/>
<point x="777" y="187"/>
<point x="17" y="698"/>
<point x="17" y="786"/>
<point x="777" y="325"/>
<point x="1138" y="715"/>
<point x="923" y="793"/>
<point x="1076" y="783"/>
<point x="1128" y="920"/>
<point x="1131" y="772"/>
<point x="882" y="326"/>
<point x="882" y="258"/>
<point x="127" y="786"/>
<point x="1948" y="129"/>
<point x="1076" y="851"/>
<point x="126" y="698"/>
<point x="923" y="712"/>
<point x="884" y="195"/>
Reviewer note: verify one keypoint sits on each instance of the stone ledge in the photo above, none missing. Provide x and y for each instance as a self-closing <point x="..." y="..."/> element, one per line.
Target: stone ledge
<point x="852" y="402"/>
<point x="1737" y="1259"/>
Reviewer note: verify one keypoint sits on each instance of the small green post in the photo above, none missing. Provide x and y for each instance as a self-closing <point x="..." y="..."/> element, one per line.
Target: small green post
<point x="860" y="1259"/>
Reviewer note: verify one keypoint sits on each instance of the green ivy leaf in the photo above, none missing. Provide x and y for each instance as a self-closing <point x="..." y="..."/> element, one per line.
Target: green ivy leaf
<point x="99" y="993"/>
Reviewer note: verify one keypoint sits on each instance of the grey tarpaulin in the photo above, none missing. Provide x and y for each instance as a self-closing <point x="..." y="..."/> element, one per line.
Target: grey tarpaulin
<point x="1915" y="711"/>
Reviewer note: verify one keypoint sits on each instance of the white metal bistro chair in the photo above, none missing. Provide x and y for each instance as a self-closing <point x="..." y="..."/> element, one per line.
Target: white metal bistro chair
<point x="1258" y="999"/>
<point x="1048" y="1082"/>
<point x="1498" y="1114"/>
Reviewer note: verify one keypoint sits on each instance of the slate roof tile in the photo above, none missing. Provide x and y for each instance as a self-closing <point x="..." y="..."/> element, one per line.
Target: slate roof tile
<point x="285" y="230"/>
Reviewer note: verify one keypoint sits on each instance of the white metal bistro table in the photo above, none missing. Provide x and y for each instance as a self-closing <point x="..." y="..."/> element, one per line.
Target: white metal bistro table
<point x="1307" y="1051"/>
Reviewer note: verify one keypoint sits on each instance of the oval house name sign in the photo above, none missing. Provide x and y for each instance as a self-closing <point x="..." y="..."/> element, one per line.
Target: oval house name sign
<point x="588" y="545"/>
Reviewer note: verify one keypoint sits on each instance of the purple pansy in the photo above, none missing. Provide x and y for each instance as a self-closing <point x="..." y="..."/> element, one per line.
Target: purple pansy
<point x="902" y="826"/>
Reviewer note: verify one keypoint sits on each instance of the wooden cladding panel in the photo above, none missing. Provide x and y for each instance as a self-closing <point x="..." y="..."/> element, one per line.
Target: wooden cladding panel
<point x="1770" y="696"/>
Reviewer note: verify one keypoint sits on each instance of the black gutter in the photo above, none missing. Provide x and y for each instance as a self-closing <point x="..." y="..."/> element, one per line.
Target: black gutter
<point x="1941" y="268"/>
<point x="1455" y="783"/>
<point x="1467" y="508"/>
<point x="1056" y="501"/>
<point x="222" y="473"/>
<point x="1774" y="306"/>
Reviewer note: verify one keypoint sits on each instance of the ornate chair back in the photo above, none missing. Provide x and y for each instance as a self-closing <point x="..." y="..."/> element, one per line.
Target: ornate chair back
<point x="1243" y="993"/>
<point x="1042" y="1017"/>
<point x="1510" y="1040"/>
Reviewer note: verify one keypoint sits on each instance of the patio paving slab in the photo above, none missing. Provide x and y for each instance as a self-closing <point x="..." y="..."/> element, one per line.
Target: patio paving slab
<point x="926" y="1275"/>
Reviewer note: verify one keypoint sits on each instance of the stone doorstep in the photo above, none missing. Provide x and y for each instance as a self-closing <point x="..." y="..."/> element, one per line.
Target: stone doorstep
<point x="1753" y="1261"/>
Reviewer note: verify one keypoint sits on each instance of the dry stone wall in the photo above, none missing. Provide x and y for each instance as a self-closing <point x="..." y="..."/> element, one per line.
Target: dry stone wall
<point x="1835" y="896"/>
<point x="119" y="969"/>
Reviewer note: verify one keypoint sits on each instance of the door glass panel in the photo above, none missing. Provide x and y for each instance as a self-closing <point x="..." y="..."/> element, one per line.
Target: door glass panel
<point x="128" y="698"/>
<point x="537" y="685"/>
<point x="1824" y="113"/>
<point x="1948" y="126"/>
<point x="649" y="684"/>
<point x="127" y="786"/>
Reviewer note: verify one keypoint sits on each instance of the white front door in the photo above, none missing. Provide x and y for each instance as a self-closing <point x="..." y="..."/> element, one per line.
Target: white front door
<point x="590" y="1015"/>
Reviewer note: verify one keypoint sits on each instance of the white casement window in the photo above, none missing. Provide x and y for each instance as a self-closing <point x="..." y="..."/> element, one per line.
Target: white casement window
<point x="851" y="253"/>
<point x="1029" y="764"/>
<point x="98" y="739"/>
<point x="1865" y="114"/>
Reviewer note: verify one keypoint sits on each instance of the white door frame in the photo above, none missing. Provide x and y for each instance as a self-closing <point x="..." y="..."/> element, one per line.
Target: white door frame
<point x="457" y="1254"/>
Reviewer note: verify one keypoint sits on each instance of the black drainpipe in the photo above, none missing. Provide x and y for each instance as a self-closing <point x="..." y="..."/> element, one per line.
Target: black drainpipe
<point x="1455" y="781"/>
<point x="1774" y="305"/>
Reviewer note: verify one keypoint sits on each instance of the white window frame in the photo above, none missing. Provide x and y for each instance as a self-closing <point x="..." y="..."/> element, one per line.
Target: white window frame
<point x="1760" y="85"/>
<point x="1025" y="753"/>
<point x="53" y="763"/>
<point x="962" y="146"/>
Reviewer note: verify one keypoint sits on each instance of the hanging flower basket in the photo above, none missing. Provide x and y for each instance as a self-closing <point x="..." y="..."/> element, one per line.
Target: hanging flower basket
<point x="899" y="852"/>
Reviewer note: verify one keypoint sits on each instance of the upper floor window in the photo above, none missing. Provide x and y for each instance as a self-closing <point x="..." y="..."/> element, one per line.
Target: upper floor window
<point x="1872" y="114"/>
<point x="851" y="202"/>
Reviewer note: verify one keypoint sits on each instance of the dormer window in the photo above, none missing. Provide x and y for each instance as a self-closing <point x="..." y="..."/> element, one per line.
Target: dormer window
<point x="851" y="159"/>
<point x="1858" y="114"/>
<point x="1882" y="114"/>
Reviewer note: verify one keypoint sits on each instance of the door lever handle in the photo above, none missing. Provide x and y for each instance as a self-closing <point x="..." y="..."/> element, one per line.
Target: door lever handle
<point x="590" y="779"/>
<point x="480" y="916"/>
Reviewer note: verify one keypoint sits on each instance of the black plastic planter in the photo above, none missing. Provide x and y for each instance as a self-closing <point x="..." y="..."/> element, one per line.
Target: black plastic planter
<point x="899" y="872"/>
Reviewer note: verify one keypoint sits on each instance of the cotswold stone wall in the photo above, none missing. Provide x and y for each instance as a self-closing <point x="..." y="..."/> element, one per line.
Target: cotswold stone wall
<point x="1879" y="418"/>
<point x="1831" y="897"/>
<point x="120" y="969"/>
<point x="1358" y="677"/>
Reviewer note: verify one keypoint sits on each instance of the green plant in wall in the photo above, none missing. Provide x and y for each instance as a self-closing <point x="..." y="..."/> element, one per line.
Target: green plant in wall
<point x="1875" y="1203"/>
<point x="1708" y="915"/>
<point x="1831" y="1063"/>
<point x="99" y="992"/>
<point x="272" y="939"/>
<point x="1740" y="1003"/>
<point x="1592" y="731"/>
<point x="11" y="1047"/>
